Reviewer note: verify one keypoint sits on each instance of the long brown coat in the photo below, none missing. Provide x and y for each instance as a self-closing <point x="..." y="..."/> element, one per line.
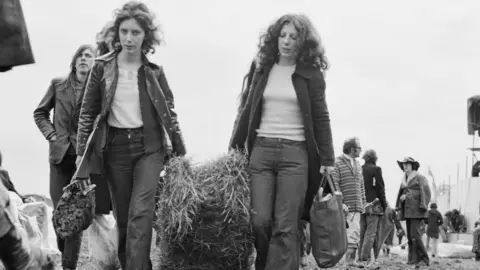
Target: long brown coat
<point x="418" y="197"/>
<point x="309" y="86"/>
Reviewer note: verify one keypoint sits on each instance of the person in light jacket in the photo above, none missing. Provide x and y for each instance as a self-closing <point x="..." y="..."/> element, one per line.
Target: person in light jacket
<point x="412" y="205"/>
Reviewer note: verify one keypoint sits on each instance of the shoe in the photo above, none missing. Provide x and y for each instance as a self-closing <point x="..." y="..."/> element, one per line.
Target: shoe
<point x="421" y="264"/>
<point x="356" y="264"/>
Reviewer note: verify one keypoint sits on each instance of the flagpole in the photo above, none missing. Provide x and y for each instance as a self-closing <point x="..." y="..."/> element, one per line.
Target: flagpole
<point x="466" y="166"/>
<point x="458" y="172"/>
<point x="449" y="191"/>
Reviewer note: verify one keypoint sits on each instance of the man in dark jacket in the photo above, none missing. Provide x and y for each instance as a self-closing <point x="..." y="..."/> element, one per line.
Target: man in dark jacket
<point x="63" y="96"/>
<point x="377" y="203"/>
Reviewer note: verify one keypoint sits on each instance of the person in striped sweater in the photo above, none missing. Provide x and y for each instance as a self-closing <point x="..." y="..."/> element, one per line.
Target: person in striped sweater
<point x="348" y="179"/>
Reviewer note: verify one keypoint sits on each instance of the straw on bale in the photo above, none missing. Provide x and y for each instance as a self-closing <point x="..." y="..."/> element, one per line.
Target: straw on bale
<point x="204" y="215"/>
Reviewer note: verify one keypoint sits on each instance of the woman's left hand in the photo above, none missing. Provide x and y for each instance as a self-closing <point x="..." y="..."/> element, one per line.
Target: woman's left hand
<point x="327" y="169"/>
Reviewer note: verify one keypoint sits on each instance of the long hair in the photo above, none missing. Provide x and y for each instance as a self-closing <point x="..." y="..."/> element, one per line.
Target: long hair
<point x="102" y="46"/>
<point x="310" y="51"/>
<point x="138" y="11"/>
<point x="247" y="82"/>
<point x="77" y="54"/>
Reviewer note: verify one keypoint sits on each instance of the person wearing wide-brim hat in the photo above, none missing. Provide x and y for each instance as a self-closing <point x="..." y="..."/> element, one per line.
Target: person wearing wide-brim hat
<point x="412" y="206"/>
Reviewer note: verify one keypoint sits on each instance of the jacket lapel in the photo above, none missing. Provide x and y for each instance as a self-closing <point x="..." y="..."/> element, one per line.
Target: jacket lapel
<point x="345" y="160"/>
<point x="155" y="91"/>
<point x="110" y="77"/>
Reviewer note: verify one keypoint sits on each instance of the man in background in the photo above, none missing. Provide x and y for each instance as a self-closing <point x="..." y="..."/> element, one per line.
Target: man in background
<point x="375" y="195"/>
<point x="63" y="95"/>
<point x="347" y="177"/>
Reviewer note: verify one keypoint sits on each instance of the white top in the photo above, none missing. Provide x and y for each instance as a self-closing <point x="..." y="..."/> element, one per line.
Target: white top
<point x="125" y="110"/>
<point x="281" y="114"/>
<point x="350" y="159"/>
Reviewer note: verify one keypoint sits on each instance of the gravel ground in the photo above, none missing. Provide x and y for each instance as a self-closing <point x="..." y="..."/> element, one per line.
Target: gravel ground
<point x="395" y="263"/>
<point x="391" y="263"/>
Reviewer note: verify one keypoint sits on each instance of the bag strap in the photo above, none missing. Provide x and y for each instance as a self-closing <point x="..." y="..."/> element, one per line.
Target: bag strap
<point x="328" y="181"/>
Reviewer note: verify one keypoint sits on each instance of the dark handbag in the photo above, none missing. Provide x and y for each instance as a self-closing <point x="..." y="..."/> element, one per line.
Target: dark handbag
<point x="75" y="211"/>
<point x="328" y="231"/>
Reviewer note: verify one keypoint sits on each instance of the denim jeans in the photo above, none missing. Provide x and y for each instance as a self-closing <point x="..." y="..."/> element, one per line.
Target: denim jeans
<point x="368" y="233"/>
<point x="279" y="179"/>
<point x="133" y="179"/>
<point x="60" y="176"/>
<point x="416" y="249"/>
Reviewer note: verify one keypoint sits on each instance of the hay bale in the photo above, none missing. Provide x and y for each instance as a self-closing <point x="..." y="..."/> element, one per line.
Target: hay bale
<point x="204" y="215"/>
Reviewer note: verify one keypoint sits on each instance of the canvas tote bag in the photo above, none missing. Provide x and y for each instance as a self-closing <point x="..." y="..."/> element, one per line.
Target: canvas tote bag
<point x="328" y="230"/>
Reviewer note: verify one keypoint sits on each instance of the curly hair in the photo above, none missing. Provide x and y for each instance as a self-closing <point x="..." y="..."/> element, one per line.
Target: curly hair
<point x="102" y="46"/>
<point x="138" y="11"/>
<point x="310" y="51"/>
<point x="370" y="156"/>
<point x="349" y="144"/>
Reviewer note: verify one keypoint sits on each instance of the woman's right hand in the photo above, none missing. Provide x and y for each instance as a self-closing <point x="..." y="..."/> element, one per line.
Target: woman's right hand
<point x="402" y="198"/>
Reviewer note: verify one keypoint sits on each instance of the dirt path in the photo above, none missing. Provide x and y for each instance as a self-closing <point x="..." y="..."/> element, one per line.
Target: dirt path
<point x="392" y="263"/>
<point x="395" y="263"/>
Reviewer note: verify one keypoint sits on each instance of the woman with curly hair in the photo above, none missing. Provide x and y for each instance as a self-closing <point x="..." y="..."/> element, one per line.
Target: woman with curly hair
<point x="129" y="108"/>
<point x="283" y="123"/>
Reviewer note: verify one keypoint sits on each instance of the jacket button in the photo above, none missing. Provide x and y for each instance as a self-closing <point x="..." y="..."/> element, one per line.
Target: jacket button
<point x="164" y="114"/>
<point x="156" y="100"/>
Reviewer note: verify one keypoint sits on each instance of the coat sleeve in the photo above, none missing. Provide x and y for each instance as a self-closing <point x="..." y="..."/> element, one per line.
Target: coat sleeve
<point x="398" y="203"/>
<point x="380" y="187"/>
<point x="240" y="128"/>
<point x="336" y="177"/>
<point x="242" y="117"/>
<point x="424" y="194"/>
<point x="178" y="143"/>
<point x="321" y="120"/>
<point x="41" y="114"/>
<point x="362" y="189"/>
<point x="91" y="107"/>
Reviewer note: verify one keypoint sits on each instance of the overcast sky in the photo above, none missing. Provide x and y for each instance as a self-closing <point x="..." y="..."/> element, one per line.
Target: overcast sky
<point x="401" y="73"/>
